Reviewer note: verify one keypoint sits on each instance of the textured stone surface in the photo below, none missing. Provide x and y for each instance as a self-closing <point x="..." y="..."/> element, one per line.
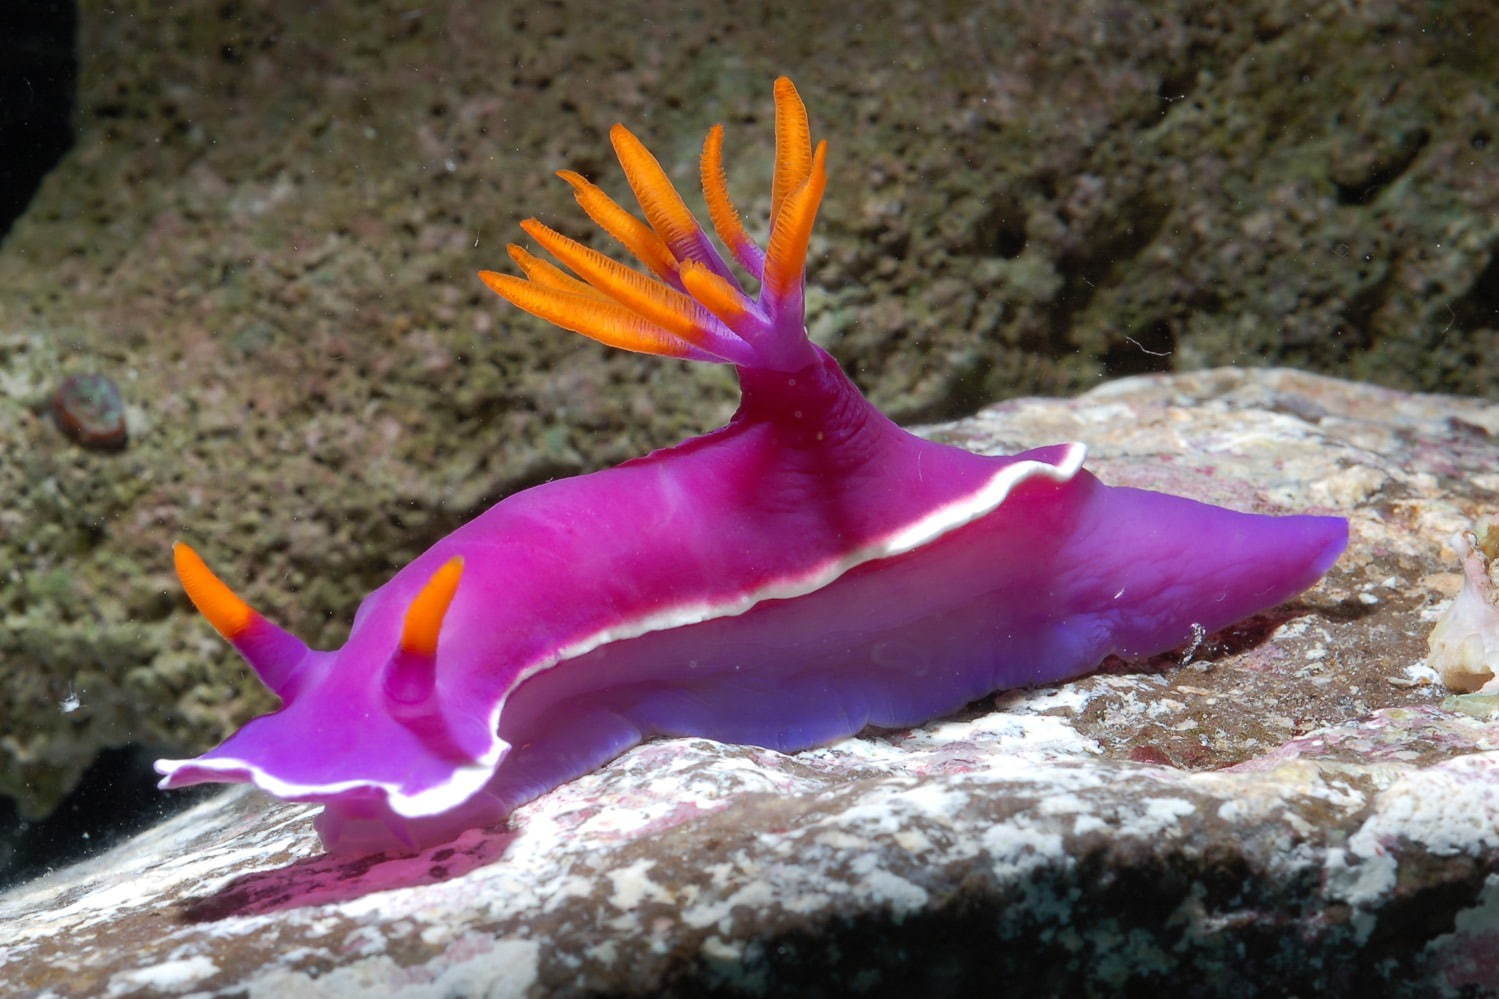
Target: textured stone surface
<point x="267" y="231"/>
<point x="1298" y="808"/>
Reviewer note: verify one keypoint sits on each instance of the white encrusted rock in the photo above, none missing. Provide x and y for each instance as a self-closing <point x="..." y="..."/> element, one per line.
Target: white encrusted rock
<point x="1294" y="805"/>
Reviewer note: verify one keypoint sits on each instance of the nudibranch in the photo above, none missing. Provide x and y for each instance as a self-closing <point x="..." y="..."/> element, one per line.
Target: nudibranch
<point x="804" y="572"/>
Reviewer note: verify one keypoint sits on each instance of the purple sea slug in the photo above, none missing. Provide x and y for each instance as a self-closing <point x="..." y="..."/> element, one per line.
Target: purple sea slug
<point x="806" y="571"/>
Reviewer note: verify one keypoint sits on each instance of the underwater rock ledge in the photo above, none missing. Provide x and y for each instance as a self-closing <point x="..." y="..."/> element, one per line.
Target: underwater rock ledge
<point x="1299" y="807"/>
<point x="989" y="846"/>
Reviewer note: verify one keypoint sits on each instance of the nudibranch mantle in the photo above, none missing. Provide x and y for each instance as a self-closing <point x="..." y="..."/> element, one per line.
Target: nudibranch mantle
<point x="805" y="571"/>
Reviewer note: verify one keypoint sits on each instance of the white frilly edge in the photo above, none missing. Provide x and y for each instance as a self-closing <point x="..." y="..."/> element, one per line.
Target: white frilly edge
<point x="468" y="779"/>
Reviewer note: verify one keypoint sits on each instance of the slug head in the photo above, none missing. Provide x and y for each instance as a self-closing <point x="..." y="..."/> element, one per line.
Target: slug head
<point x="365" y="729"/>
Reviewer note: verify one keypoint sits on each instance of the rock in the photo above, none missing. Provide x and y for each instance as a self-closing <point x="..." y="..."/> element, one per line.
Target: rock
<point x="88" y="408"/>
<point x="1296" y="808"/>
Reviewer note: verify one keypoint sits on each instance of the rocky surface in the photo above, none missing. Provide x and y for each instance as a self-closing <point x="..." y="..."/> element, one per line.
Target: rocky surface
<point x="266" y="234"/>
<point x="1294" y="806"/>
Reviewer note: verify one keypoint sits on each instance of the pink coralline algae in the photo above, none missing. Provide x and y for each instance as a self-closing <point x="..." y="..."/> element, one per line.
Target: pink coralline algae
<point x="88" y="408"/>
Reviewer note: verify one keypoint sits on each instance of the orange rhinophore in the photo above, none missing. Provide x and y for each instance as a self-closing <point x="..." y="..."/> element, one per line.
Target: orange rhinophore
<point x="276" y="655"/>
<point x="229" y="615"/>
<point x="424" y="616"/>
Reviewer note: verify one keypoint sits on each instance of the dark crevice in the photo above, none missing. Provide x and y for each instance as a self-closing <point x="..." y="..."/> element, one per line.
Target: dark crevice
<point x="1361" y="178"/>
<point x="1478" y="308"/>
<point x="1083" y="275"/>
<point x="1175" y="86"/>
<point x="999" y="232"/>
<point x="1356" y="332"/>
<point x="38" y="91"/>
<point x="967" y="391"/>
<point x="116" y="798"/>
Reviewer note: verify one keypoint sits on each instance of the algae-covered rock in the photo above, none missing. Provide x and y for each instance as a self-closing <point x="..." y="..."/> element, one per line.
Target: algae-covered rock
<point x="267" y="230"/>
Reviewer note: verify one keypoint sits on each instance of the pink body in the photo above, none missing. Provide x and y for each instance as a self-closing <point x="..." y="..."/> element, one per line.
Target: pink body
<point x="803" y="572"/>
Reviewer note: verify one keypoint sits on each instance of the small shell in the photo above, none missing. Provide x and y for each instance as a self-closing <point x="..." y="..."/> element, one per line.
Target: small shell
<point x="1465" y="642"/>
<point x="88" y="408"/>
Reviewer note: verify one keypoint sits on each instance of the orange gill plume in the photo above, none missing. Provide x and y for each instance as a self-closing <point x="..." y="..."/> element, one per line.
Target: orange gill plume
<point x="690" y="304"/>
